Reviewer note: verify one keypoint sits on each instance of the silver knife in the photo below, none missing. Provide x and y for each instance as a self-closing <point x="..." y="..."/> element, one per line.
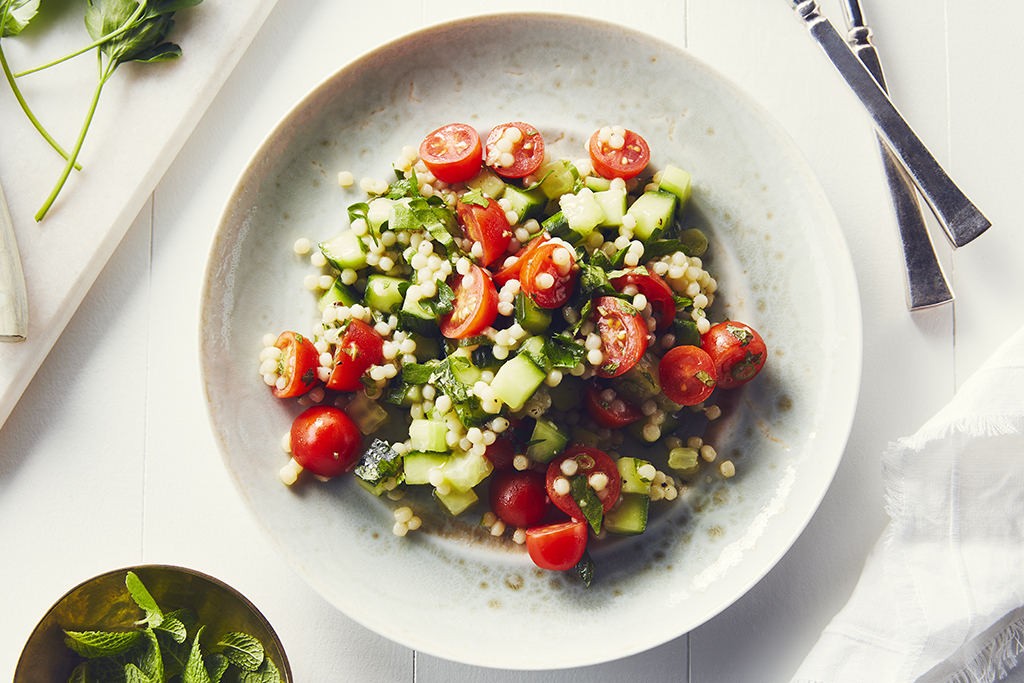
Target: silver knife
<point x="960" y="219"/>
<point x="13" y="298"/>
<point x="926" y="282"/>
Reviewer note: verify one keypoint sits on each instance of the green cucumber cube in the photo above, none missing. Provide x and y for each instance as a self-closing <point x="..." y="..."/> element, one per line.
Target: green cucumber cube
<point x="463" y="471"/>
<point x="338" y="293"/>
<point x="428" y="435"/>
<point x="632" y="480"/>
<point x="345" y="250"/>
<point x="654" y="212"/>
<point x="456" y="502"/>
<point x="629" y="515"/>
<point x="417" y="466"/>
<point x="582" y="211"/>
<point x="676" y="181"/>
<point x="382" y="293"/>
<point x="548" y="440"/>
<point x="488" y="182"/>
<point x="613" y="203"/>
<point x="516" y="381"/>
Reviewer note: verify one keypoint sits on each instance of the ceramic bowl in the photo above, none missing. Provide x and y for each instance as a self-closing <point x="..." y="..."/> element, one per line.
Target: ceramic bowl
<point x="776" y="250"/>
<point x="103" y="603"/>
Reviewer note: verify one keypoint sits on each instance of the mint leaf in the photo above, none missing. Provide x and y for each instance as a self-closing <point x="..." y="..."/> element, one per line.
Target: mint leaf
<point x="81" y="674"/>
<point x="216" y="665"/>
<point x="19" y="13"/>
<point x="133" y="674"/>
<point x="590" y="505"/>
<point x="195" y="670"/>
<point x="475" y="196"/>
<point x="242" y="650"/>
<point x="149" y="659"/>
<point x="266" y="673"/>
<point x="93" y="644"/>
<point x="174" y="628"/>
<point x="585" y="568"/>
<point x="144" y="600"/>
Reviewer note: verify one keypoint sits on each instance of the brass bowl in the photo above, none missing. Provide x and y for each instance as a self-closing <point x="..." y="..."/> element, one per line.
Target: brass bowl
<point x="103" y="603"/>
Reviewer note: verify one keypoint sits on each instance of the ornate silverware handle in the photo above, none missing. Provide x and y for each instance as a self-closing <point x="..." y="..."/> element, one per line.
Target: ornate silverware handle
<point x="13" y="299"/>
<point x="959" y="217"/>
<point x="926" y="283"/>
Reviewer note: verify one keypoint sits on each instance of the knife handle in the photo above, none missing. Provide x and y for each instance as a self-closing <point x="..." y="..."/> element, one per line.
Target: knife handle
<point x="13" y="300"/>
<point x="926" y="283"/>
<point x="959" y="217"/>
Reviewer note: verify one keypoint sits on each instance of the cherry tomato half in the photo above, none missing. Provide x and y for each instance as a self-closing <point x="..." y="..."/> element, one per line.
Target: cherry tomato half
<point x="326" y="441"/>
<point x="453" y="153"/>
<point x="475" y="306"/>
<point x="297" y="365"/>
<point x="614" y="414"/>
<point x="514" y="150"/>
<point x="589" y="461"/>
<point x="557" y="546"/>
<point x="501" y="453"/>
<point x="737" y="351"/>
<point x="519" y="497"/>
<point x="549" y="274"/>
<point x="513" y="271"/>
<point x="657" y="291"/>
<point x="623" y="333"/>
<point x="687" y="375"/>
<point x="359" y="347"/>
<point x="487" y="226"/>
<point x="626" y="161"/>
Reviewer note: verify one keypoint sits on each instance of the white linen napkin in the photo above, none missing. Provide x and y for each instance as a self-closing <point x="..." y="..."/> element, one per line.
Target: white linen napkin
<point x="942" y="593"/>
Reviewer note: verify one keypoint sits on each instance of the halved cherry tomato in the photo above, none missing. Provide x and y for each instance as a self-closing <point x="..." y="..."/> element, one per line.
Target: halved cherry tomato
<point x="297" y="365"/>
<point x="501" y="453"/>
<point x="557" y="546"/>
<point x="513" y="271"/>
<point x="487" y="226"/>
<point x="623" y="334"/>
<point x="657" y="291"/>
<point x="625" y="162"/>
<point x="325" y="441"/>
<point x="543" y="268"/>
<point x="523" y="146"/>
<point x="687" y="375"/>
<point x="614" y="414"/>
<point x="453" y="153"/>
<point x="519" y="497"/>
<point x="737" y="351"/>
<point x="589" y="461"/>
<point x="475" y="306"/>
<point x="359" y="347"/>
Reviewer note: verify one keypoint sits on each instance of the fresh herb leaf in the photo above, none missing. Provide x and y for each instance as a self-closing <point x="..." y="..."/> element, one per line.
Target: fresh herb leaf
<point x="585" y="569"/>
<point x="149" y="659"/>
<point x="379" y="462"/>
<point x="133" y="674"/>
<point x="82" y="674"/>
<point x="590" y="505"/>
<point x="195" y="671"/>
<point x="658" y="248"/>
<point x="266" y="673"/>
<point x="142" y="598"/>
<point x="216" y="665"/>
<point x="242" y="650"/>
<point x="16" y="14"/>
<point x="93" y="644"/>
<point x="594" y="280"/>
<point x="476" y="197"/>
<point x="174" y="628"/>
<point x="563" y="351"/>
<point x="404" y="187"/>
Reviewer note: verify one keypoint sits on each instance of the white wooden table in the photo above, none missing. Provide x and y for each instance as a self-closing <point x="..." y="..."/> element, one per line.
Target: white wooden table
<point x="108" y="460"/>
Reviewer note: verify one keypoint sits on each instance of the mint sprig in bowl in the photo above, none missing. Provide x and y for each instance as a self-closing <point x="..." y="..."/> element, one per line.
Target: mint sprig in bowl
<point x="153" y="623"/>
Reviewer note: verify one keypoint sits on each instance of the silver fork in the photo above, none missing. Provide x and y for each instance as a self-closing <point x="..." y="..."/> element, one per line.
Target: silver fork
<point x="926" y="283"/>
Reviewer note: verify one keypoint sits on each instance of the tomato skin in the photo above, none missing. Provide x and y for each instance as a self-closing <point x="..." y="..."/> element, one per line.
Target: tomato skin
<point x="475" y="306"/>
<point x="299" y="361"/>
<point x="657" y="291"/>
<point x="623" y="332"/>
<point x="453" y="153"/>
<point x="519" y="498"/>
<point x="501" y="453"/>
<point x="528" y="153"/>
<point x="737" y="351"/>
<point x="624" y="163"/>
<point x="606" y="414"/>
<point x="325" y="441"/>
<point x="514" y="271"/>
<point x="542" y="262"/>
<point x="358" y="348"/>
<point x="687" y="375"/>
<point x="486" y="225"/>
<point x="557" y="546"/>
<point x="588" y="461"/>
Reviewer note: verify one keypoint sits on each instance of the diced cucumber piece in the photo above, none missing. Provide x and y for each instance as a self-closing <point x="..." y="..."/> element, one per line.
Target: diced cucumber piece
<point x="559" y="178"/>
<point x="465" y="372"/>
<point x="345" y="250"/>
<point x="676" y="181"/>
<point x="632" y="480"/>
<point x="582" y="212"/>
<point x="613" y="203"/>
<point x="557" y="225"/>
<point x="488" y="182"/>
<point x="366" y="413"/>
<point x="654" y="212"/>
<point x="597" y="183"/>
<point x="338" y="293"/>
<point x="567" y="394"/>
<point x="463" y="471"/>
<point x="516" y="381"/>
<point x="629" y="515"/>
<point x="526" y="203"/>
<point x="382" y="293"/>
<point x="640" y="382"/>
<point x="530" y="316"/>
<point x="548" y="440"/>
<point x="415" y="318"/>
<point x="456" y="502"/>
<point x="428" y="435"/>
<point x="584" y="437"/>
<point x="683" y="458"/>
<point x="427" y="348"/>
<point x="380" y="488"/>
<point x="417" y="466"/>
<point x="378" y="212"/>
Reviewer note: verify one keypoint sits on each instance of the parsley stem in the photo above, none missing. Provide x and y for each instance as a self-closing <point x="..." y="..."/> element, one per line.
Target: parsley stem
<point x="129" y="24"/>
<point x="24" y="105"/>
<point x="104" y="75"/>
